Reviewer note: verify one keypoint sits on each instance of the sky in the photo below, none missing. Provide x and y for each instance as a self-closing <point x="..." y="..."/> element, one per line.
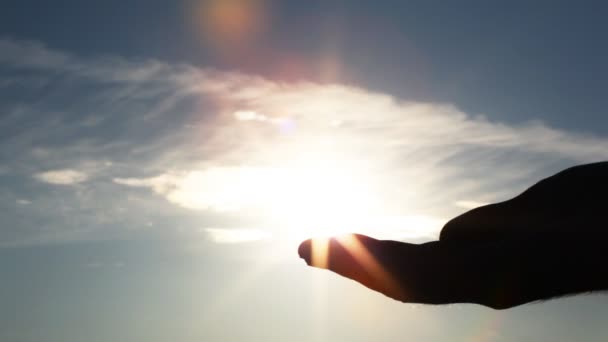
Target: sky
<point x="160" y="161"/>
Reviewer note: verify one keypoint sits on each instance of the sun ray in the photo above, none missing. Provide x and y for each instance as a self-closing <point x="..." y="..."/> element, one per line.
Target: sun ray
<point x="374" y="274"/>
<point x="369" y="263"/>
<point x="319" y="250"/>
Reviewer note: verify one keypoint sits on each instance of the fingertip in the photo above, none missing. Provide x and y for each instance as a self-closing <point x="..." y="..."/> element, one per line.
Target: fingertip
<point x="304" y="250"/>
<point x="335" y="251"/>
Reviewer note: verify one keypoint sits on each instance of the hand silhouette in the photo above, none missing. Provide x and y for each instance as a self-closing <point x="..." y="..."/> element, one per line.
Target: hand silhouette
<point x="549" y="241"/>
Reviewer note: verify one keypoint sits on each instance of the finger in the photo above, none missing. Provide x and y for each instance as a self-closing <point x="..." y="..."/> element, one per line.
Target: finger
<point x="315" y="251"/>
<point x="373" y="263"/>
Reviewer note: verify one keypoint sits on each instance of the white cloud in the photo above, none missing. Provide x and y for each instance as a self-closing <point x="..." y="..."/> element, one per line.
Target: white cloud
<point x="61" y="177"/>
<point x="161" y="184"/>
<point x="22" y="201"/>
<point x="240" y="147"/>
<point x="467" y="204"/>
<point x="237" y="235"/>
<point x="247" y="115"/>
<point x="215" y="188"/>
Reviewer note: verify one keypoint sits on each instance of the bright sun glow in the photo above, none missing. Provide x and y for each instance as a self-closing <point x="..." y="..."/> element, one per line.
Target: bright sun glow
<point x="305" y="200"/>
<point x="307" y="186"/>
<point x="302" y="198"/>
<point x="304" y="181"/>
<point x="322" y="200"/>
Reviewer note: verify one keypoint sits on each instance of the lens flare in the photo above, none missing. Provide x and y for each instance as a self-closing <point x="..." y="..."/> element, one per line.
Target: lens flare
<point x="229" y="26"/>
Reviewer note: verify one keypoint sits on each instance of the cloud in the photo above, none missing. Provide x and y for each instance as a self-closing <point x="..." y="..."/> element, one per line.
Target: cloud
<point x="235" y="235"/>
<point x="467" y="204"/>
<point x="62" y="177"/>
<point x="215" y="188"/>
<point x="225" y="144"/>
<point x="22" y="201"/>
<point x="32" y="54"/>
<point x="247" y="115"/>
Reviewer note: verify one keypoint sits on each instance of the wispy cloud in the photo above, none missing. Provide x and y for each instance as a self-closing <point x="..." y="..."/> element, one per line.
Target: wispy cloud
<point x="216" y="188"/>
<point x="61" y="177"/>
<point x="217" y="142"/>
<point x="235" y="235"/>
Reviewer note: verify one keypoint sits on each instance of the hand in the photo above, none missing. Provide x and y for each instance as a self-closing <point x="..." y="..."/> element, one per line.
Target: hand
<point x="549" y="241"/>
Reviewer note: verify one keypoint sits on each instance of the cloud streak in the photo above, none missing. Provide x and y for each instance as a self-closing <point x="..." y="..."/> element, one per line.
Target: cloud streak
<point x="61" y="177"/>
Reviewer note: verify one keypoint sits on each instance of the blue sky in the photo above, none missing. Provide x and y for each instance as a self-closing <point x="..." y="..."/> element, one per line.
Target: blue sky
<point x="161" y="161"/>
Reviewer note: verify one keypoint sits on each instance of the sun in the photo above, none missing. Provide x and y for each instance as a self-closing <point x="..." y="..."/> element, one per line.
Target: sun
<point x="320" y="199"/>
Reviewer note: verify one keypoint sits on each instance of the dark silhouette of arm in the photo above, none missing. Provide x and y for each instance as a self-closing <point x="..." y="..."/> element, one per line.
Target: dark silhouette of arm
<point x="549" y="241"/>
